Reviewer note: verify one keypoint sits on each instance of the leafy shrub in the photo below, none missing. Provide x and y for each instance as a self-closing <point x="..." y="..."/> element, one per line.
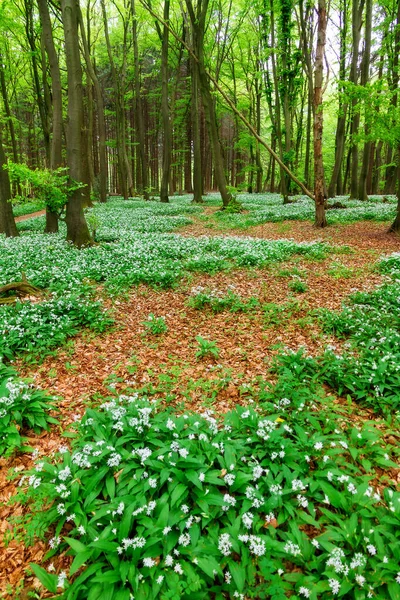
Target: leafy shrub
<point x="54" y="187"/>
<point x="276" y="500"/>
<point x="22" y="406"/>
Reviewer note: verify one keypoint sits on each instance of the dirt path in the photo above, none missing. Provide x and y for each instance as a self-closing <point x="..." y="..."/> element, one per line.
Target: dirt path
<point x="39" y="213"/>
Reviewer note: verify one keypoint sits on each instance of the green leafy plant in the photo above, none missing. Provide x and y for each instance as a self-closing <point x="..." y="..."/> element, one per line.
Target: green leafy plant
<point x="220" y="301"/>
<point x="207" y="348"/>
<point x="155" y="325"/>
<point x="22" y="407"/>
<point x="280" y="494"/>
<point x="36" y="328"/>
<point x="298" y="286"/>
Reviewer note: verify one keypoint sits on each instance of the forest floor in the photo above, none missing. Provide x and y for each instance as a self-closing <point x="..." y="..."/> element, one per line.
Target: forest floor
<point x="166" y="367"/>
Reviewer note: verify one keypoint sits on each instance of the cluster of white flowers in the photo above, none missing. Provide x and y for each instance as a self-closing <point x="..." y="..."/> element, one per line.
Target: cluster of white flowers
<point x="225" y="544"/>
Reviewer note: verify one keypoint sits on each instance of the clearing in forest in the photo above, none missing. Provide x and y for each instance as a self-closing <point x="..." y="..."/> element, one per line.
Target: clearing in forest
<point x="215" y="405"/>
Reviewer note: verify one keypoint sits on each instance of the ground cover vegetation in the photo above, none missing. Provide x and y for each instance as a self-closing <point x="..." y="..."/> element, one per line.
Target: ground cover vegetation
<point x="290" y="493"/>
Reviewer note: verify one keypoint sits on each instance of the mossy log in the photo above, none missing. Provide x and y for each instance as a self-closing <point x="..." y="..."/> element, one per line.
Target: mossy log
<point x="10" y="292"/>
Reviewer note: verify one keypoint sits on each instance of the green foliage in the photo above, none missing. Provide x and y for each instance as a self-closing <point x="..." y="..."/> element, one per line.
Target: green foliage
<point x="207" y="348"/>
<point x="54" y="187"/>
<point x="279" y="496"/>
<point x="36" y="328"/>
<point x="22" y="406"/>
<point x="219" y="301"/>
<point x="298" y="286"/>
<point x="155" y="325"/>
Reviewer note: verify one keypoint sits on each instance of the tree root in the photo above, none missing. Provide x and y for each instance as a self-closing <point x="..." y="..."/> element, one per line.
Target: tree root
<point x="10" y="292"/>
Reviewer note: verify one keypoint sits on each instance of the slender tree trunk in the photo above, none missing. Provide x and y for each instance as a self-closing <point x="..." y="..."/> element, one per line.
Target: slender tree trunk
<point x="7" y="221"/>
<point x="198" y="22"/>
<point x="139" y="109"/>
<point x="44" y="117"/>
<point x="101" y="123"/>
<point x="197" y="159"/>
<point x="362" y="184"/>
<point x="7" y="110"/>
<point x="56" y="90"/>
<point x="320" y="218"/>
<point x="165" y="109"/>
<point x="342" y="112"/>
<point x="396" y="223"/>
<point x="77" y="229"/>
<point x="357" y="11"/>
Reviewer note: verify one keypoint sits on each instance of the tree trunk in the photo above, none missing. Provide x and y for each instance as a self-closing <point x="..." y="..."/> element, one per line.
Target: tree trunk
<point x="44" y="117"/>
<point x="197" y="160"/>
<point x="7" y="221"/>
<point x="362" y="184"/>
<point x="320" y="218"/>
<point x="7" y="110"/>
<point x="56" y="90"/>
<point x="139" y="109"/>
<point x="396" y="224"/>
<point x="357" y="11"/>
<point x="165" y="109"/>
<point x="77" y="229"/>
<point x="198" y="22"/>
<point x="342" y="111"/>
<point x="101" y="123"/>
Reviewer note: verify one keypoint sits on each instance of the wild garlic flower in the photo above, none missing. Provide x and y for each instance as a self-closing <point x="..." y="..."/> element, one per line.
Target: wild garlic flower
<point x="225" y="544"/>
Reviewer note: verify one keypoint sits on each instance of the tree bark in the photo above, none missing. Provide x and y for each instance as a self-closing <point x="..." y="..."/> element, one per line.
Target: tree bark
<point x="357" y="10"/>
<point x="77" y="228"/>
<point x="101" y="123"/>
<point x="56" y="90"/>
<point x="7" y="221"/>
<point x="165" y="109"/>
<point x="139" y="109"/>
<point x="320" y="217"/>
<point x="198" y="22"/>
<point x="362" y="184"/>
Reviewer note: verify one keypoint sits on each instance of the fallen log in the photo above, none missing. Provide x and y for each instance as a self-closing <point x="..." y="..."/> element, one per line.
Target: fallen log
<point x="11" y="292"/>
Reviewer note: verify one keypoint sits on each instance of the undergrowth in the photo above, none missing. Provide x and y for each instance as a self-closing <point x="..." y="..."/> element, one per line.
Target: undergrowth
<point x="278" y="498"/>
<point x="22" y="407"/>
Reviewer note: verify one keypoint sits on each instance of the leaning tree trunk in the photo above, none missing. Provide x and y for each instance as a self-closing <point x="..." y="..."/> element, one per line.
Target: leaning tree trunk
<point x="57" y="125"/>
<point x="77" y="228"/>
<point x="320" y="217"/>
<point x="7" y="222"/>
<point x="198" y="23"/>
